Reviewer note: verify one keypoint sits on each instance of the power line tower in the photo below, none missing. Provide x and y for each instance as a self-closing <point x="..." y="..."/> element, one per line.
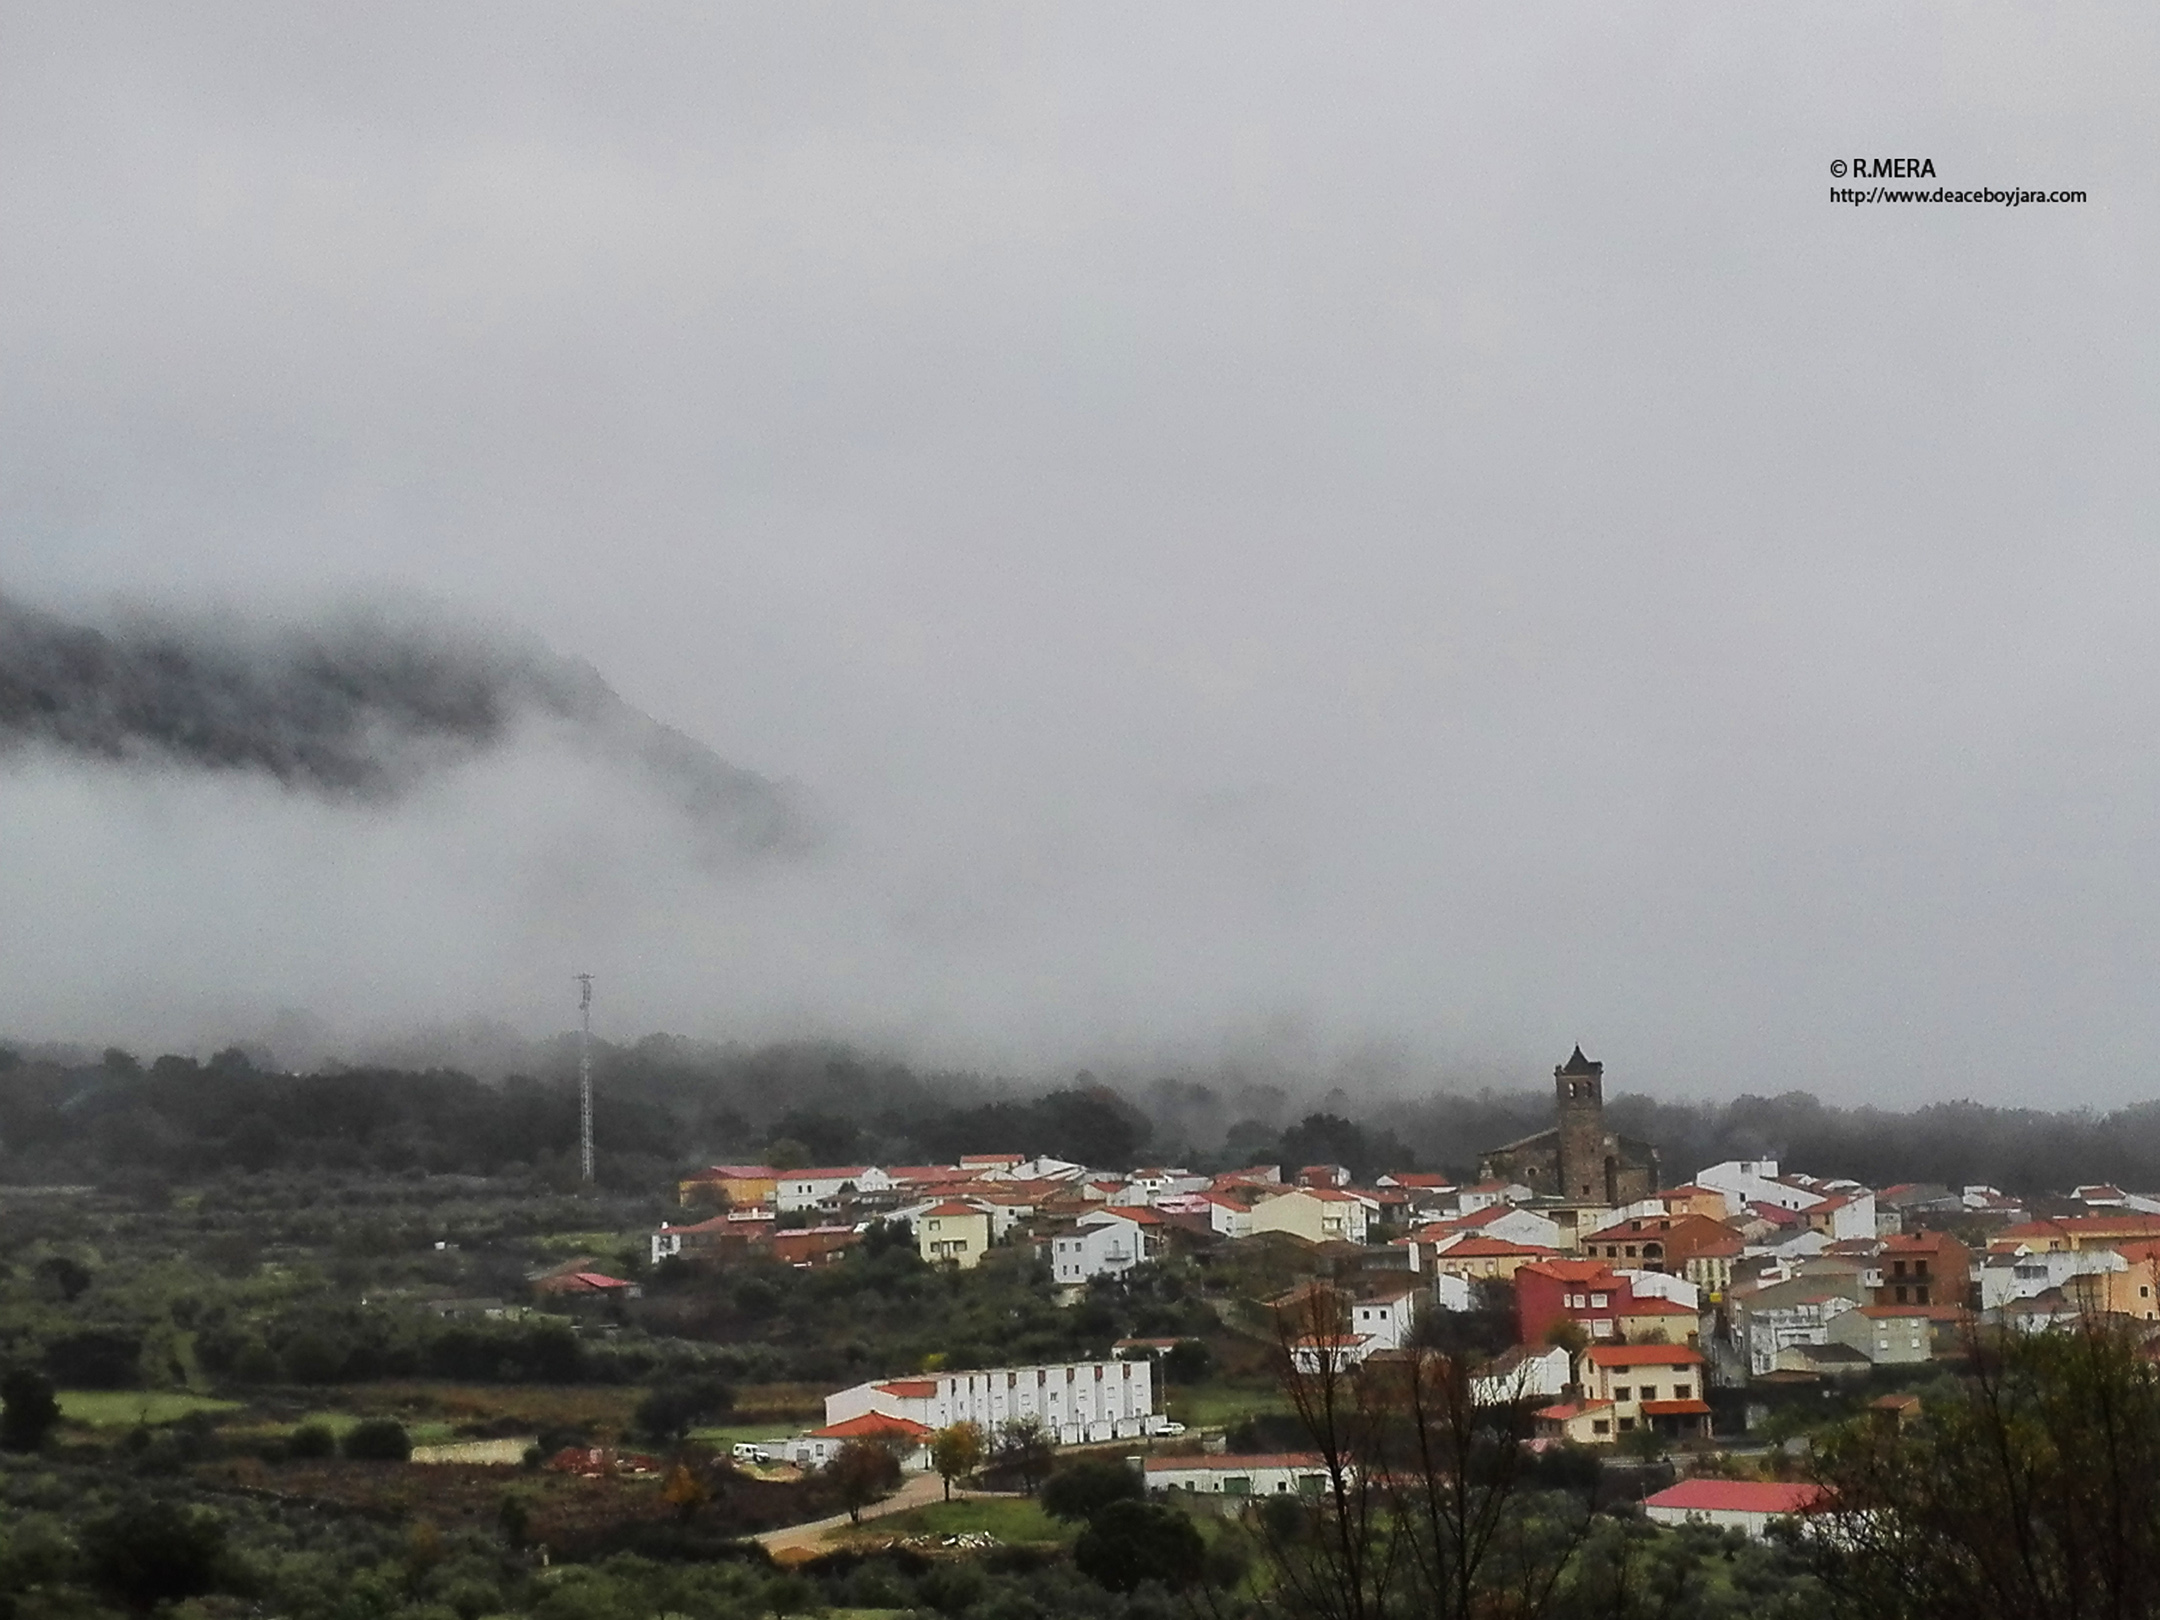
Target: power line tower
<point x="584" y="1077"/>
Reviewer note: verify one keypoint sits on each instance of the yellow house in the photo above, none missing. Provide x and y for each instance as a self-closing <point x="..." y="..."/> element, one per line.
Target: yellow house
<point x="730" y="1186"/>
<point x="1316" y="1214"/>
<point x="952" y="1232"/>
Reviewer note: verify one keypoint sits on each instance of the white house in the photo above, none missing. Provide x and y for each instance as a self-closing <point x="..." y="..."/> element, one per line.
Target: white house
<point x="907" y="1440"/>
<point x="1104" y="1244"/>
<point x="2027" y="1275"/>
<point x="1387" y="1315"/>
<point x="1147" y="1188"/>
<point x="1746" y="1505"/>
<point x="1505" y="1222"/>
<point x="1232" y="1217"/>
<point x="1487" y="1193"/>
<point x="1850" y="1211"/>
<point x="1079" y="1402"/>
<point x="1300" y="1473"/>
<point x="1663" y="1285"/>
<point x="1755" y="1181"/>
<point x="806" y="1189"/>
<point x="1524" y="1374"/>
<point x="1804" y="1322"/>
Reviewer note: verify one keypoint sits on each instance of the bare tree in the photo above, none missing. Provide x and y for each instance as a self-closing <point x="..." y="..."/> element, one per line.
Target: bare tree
<point x="1426" y="1506"/>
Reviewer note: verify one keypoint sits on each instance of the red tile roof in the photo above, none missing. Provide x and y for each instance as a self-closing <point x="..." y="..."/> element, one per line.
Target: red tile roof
<point x="914" y="1389"/>
<point x="1485" y="1248"/>
<point x="1676" y="1408"/>
<point x="953" y="1206"/>
<point x="871" y="1425"/>
<point x="1642" y="1355"/>
<point x="1737" y="1496"/>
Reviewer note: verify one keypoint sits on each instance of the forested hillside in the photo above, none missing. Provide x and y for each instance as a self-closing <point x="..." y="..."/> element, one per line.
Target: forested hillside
<point x="665" y="1102"/>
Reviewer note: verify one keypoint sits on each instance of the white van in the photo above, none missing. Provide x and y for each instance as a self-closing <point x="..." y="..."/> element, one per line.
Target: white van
<point x="749" y="1451"/>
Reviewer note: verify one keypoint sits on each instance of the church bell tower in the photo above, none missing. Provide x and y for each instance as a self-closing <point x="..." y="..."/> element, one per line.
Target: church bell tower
<point x="1588" y="1168"/>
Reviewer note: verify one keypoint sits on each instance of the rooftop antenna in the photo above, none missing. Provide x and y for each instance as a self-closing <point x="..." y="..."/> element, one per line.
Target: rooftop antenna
<point x="584" y="1077"/>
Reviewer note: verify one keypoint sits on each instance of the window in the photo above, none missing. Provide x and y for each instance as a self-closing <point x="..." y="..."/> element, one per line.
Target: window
<point x="1620" y="1392"/>
<point x="1598" y="1302"/>
<point x="1627" y="1425"/>
<point x="1649" y="1392"/>
<point x="1683" y="1392"/>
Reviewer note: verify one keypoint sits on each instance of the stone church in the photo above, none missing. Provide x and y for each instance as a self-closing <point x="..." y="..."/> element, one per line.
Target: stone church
<point x="1578" y="1160"/>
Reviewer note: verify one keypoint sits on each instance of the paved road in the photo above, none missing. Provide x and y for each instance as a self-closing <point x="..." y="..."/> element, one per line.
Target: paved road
<point x="917" y="1491"/>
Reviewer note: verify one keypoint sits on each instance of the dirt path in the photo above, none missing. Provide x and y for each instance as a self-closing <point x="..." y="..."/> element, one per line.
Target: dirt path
<point x="918" y="1490"/>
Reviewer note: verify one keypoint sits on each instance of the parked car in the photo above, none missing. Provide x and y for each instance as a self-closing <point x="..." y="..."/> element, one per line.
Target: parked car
<point x="749" y="1451"/>
<point x="1165" y="1427"/>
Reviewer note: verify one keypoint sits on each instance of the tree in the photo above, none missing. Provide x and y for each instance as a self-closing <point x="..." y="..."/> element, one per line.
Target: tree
<point x="1187" y="1362"/>
<point x="2034" y="1491"/>
<point x="378" y="1440"/>
<point x="1023" y="1448"/>
<point x="1128" y="1542"/>
<point x="670" y="1411"/>
<point x="311" y="1442"/>
<point x="1081" y="1489"/>
<point x="1423" y="1503"/>
<point x="955" y="1450"/>
<point x="863" y="1471"/>
<point x="684" y="1492"/>
<point x="147" y="1553"/>
<point x="70" y="1279"/>
<point x="28" y="1410"/>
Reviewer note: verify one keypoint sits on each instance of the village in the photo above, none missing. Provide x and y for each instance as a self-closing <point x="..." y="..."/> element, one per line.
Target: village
<point x="1641" y="1317"/>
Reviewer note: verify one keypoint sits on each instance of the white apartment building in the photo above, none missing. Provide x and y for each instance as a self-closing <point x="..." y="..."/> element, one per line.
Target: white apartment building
<point x="1079" y="1402"/>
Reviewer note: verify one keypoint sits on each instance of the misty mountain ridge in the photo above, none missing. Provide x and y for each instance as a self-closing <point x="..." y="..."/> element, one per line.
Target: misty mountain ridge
<point x="362" y="708"/>
<point x="668" y="1101"/>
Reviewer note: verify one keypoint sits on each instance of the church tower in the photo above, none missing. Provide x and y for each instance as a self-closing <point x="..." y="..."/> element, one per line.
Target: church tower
<point x="1587" y="1165"/>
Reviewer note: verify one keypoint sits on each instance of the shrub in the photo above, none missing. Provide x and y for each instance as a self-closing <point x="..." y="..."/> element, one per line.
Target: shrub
<point x="1129" y="1542"/>
<point x="147" y="1553"/>
<point x="28" y="1410"/>
<point x="310" y="1442"/>
<point x="1081" y="1489"/>
<point x="378" y="1440"/>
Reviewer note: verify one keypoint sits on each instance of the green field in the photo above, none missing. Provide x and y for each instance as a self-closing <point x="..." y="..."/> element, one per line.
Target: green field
<point x="1011" y="1519"/>
<point x="1210" y="1406"/>
<point x="726" y="1434"/>
<point x="124" y="1408"/>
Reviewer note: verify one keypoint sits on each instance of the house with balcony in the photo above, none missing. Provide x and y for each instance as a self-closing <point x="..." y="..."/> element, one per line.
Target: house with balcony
<point x="1107" y="1243"/>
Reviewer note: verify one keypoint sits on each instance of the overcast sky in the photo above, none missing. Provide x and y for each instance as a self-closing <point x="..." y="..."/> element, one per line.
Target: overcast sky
<point x="1421" y="536"/>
